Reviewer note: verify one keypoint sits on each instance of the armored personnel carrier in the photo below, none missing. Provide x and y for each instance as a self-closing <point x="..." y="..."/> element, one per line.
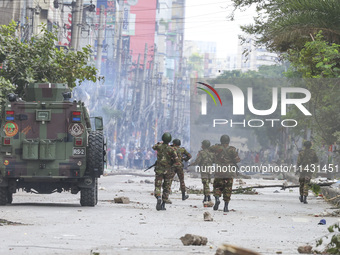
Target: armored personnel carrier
<point x="47" y="145"/>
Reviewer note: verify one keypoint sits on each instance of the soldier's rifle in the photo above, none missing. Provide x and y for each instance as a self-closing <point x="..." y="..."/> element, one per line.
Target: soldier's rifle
<point x="151" y="166"/>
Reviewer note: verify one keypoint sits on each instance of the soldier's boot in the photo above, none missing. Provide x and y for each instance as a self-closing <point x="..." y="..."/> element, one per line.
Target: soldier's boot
<point x="205" y="198"/>
<point x="217" y="203"/>
<point x="305" y="200"/>
<point x="301" y="198"/>
<point x="225" y="209"/>
<point x="184" y="197"/>
<point x="163" y="206"/>
<point x="159" y="203"/>
<point x="209" y="199"/>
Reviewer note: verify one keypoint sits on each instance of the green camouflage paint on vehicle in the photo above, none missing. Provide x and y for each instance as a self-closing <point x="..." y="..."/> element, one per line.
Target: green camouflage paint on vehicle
<point x="47" y="145"/>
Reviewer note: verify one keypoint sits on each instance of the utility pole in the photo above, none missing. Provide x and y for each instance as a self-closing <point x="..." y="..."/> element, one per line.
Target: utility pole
<point x="76" y="20"/>
<point x="100" y="37"/>
<point x="142" y="94"/>
<point x="136" y="80"/>
<point x="119" y="49"/>
<point x="143" y="85"/>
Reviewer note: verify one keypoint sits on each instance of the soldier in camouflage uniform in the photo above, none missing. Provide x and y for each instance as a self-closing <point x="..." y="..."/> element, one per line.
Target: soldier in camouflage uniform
<point x="306" y="159"/>
<point x="182" y="154"/>
<point x="205" y="159"/>
<point x="225" y="156"/>
<point x="166" y="158"/>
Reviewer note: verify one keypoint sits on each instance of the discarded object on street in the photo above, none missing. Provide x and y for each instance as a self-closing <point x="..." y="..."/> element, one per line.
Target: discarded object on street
<point x="207" y="216"/>
<point x="322" y="222"/>
<point x="305" y="249"/>
<point x="227" y="249"/>
<point x="208" y="204"/>
<point x="282" y="186"/>
<point x="189" y="239"/>
<point x="122" y="200"/>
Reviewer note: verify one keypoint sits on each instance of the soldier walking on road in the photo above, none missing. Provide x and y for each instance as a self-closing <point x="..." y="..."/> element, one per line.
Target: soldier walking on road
<point x="182" y="154"/>
<point x="205" y="160"/>
<point x="225" y="157"/>
<point x="306" y="160"/>
<point x="166" y="158"/>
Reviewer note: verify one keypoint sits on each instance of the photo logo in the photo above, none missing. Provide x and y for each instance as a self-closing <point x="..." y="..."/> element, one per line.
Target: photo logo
<point x="204" y="96"/>
<point x="239" y="99"/>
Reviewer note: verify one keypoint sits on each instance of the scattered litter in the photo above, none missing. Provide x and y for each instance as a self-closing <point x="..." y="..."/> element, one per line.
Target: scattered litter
<point x="335" y="213"/>
<point x="322" y="222"/>
<point x="227" y="249"/>
<point x="102" y="188"/>
<point x="250" y="192"/>
<point x="207" y="216"/>
<point x="276" y="191"/>
<point x="208" y="204"/>
<point x="121" y="200"/>
<point x="130" y="181"/>
<point x="269" y="178"/>
<point x="149" y="182"/>
<point x="7" y="222"/>
<point x="305" y="249"/>
<point x="189" y="239"/>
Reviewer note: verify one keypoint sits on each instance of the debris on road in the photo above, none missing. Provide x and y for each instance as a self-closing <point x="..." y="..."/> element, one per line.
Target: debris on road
<point x="121" y="200"/>
<point x="322" y="222"/>
<point x="7" y="222"/>
<point x="227" y="249"/>
<point x="208" y="204"/>
<point x="305" y="249"/>
<point x="207" y="216"/>
<point x="189" y="239"/>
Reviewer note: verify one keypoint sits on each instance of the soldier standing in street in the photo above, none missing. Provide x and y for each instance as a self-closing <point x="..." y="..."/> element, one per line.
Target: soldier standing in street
<point x="225" y="157"/>
<point x="182" y="154"/>
<point x="205" y="160"/>
<point x="306" y="160"/>
<point x="166" y="158"/>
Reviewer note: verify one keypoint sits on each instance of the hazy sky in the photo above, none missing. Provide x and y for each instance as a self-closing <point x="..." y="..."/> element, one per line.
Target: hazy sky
<point x="207" y="21"/>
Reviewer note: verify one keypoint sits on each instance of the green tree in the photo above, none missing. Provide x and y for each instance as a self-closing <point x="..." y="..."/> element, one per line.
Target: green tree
<point x="281" y="25"/>
<point x="317" y="59"/>
<point x="39" y="60"/>
<point x="319" y="63"/>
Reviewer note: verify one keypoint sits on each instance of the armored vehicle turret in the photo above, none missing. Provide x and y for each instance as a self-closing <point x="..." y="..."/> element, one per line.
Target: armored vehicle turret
<point x="47" y="145"/>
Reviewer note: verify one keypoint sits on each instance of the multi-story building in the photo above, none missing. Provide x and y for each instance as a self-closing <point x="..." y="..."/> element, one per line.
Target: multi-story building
<point x="207" y="52"/>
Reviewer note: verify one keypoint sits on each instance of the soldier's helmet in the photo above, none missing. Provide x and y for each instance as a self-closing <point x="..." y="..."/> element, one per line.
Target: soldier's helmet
<point x="307" y="144"/>
<point x="225" y="139"/>
<point x="206" y="143"/>
<point x="176" y="142"/>
<point x="166" y="137"/>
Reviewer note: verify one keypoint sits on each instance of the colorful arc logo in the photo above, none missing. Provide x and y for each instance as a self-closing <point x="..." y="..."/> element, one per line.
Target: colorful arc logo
<point x="208" y="92"/>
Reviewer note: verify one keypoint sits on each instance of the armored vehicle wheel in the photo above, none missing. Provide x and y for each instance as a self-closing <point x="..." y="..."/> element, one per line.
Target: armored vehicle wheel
<point x="95" y="153"/>
<point x="9" y="197"/>
<point x="88" y="197"/>
<point x="3" y="195"/>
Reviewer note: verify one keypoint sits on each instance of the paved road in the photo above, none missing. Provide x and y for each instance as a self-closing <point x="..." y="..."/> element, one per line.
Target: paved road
<point x="56" y="224"/>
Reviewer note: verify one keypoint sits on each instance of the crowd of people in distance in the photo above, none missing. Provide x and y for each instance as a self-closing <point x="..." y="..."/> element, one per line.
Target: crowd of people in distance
<point x="134" y="158"/>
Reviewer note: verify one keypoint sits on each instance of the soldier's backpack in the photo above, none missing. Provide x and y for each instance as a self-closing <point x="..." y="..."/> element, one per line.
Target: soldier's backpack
<point x="208" y="158"/>
<point x="308" y="157"/>
<point x="225" y="156"/>
<point x="163" y="156"/>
